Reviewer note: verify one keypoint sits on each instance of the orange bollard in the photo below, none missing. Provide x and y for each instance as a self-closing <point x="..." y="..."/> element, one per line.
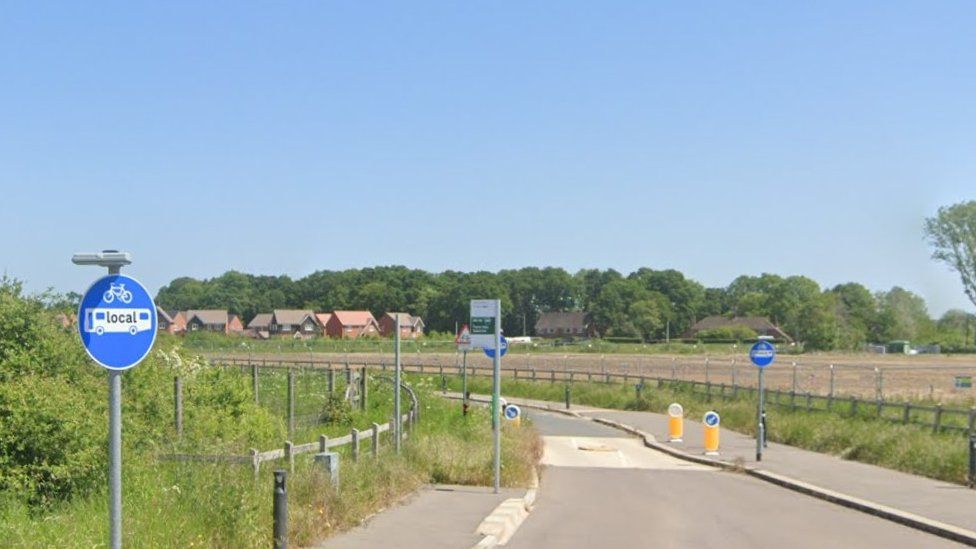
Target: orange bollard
<point x="711" y="422"/>
<point x="676" y="422"/>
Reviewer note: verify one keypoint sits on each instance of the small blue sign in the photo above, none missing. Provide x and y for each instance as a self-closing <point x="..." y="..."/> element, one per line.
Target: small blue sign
<point x="491" y="352"/>
<point x="117" y="321"/>
<point x="711" y="419"/>
<point x="762" y="353"/>
<point x="512" y="411"/>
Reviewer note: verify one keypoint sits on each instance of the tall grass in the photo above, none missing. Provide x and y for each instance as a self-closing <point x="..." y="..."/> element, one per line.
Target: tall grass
<point x="202" y="505"/>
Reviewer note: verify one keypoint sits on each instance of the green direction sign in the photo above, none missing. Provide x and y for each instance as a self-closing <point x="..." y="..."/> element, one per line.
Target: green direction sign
<point x="483" y="325"/>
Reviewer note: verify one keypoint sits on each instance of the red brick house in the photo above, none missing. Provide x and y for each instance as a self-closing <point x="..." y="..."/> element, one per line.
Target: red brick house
<point x="324" y="321"/>
<point x="410" y="326"/>
<point x="352" y="325"/>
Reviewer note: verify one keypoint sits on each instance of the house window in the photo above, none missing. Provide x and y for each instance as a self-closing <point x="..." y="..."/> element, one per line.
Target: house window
<point x="286" y="327"/>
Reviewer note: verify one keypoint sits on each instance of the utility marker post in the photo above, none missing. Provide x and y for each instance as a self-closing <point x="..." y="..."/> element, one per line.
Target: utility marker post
<point x="463" y="342"/>
<point x="117" y="322"/>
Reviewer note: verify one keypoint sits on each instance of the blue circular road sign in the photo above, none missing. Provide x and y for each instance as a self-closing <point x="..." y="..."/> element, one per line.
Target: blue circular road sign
<point x="762" y="353"/>
<point x="711" y="419"/>
<point x="491" y="352"/>
<point x="512" y="411"/>
<point x="117" y="321"/>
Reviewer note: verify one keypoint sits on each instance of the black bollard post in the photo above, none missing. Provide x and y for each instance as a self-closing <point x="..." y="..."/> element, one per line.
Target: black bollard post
<point x="972" y="460"/>
<point x="280" y="510"/>
<point x="569" y="393"/>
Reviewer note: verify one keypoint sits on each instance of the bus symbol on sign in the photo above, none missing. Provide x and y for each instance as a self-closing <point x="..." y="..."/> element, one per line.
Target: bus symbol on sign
<point x="115" y="321"/>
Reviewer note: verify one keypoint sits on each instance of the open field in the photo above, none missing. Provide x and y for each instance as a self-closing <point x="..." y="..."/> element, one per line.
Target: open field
<point x="919" y="377"/>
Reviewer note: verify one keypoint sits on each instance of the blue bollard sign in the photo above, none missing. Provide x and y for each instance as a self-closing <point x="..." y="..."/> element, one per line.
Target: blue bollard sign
<point x="491" y="352"/>
<point x="117" y="322"/>
<point x="762" y="354"/>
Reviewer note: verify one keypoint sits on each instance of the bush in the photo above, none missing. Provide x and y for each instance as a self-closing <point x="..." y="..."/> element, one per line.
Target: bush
<point x="736" y="332"/>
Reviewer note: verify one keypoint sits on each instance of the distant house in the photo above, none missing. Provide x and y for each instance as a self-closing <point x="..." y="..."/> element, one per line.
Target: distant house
<point x="164" y="322"/>
<point x="352" y="324"/>
<point x="323" y="319"/>
<point x="260" y="326"/>
<point x="211" y="320"/>
<point x="294" y="323"/>
<point x="410" y="326"/>
<point x="759" y="324"/>
<point x="569" y="324"/>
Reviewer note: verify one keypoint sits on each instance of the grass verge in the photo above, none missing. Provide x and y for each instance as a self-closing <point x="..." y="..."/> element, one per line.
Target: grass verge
<point x="907" y="448"/>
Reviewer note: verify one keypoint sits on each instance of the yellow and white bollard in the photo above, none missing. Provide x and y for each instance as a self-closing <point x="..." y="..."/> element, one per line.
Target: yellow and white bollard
<point x="676" y="422"/>
<point x="711" y="422"/>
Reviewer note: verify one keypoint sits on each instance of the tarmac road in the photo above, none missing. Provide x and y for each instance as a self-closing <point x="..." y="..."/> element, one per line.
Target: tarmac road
<point x="601" y="489"/>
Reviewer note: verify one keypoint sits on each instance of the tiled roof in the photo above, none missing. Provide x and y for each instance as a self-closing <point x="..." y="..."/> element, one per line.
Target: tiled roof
<point x="209" y="317"/>
<point x="293" y="316"/>
<point x="354" y="318"/>
<point x="261" y="321"/>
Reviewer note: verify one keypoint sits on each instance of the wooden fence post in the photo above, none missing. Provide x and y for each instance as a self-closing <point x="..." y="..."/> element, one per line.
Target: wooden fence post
<point x="363" y="388"/>
<point x="938" y="418"/>
<point x="291" y="402"/>
<point x="290" y="456"/>
<point x="853" y="406"/>
<point x="355" y="444"/>
<point x="331" y="379"/>
<point x="323" y="443"/>
<point x="376" y="440"/>
<point x="254" y="382"/>
<point x="178" y="406"/>
<point x="255" y="462"/>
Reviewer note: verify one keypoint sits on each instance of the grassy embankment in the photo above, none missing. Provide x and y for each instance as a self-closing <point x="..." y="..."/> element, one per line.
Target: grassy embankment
<point x="200" y="505"/>
<point x="908" y="448"/>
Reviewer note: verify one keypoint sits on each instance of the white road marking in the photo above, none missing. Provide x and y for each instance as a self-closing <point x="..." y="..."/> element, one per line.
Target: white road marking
<point x="610" y="453"/>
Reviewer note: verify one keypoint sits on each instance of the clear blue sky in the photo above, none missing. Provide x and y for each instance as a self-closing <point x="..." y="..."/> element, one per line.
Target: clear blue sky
<point x="717" y="138"/>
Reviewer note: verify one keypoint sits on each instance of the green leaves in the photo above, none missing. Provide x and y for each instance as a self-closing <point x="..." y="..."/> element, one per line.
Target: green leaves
<point x="952" y="234"/>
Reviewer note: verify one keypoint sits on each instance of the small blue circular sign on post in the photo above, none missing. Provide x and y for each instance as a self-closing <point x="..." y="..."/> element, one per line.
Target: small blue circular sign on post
<point x="512" y="411"/>
<point x="762" y="353"/>
<point x="711" y="419"/>
<point x="491" y="352"/>
<point x="117" y="321"/>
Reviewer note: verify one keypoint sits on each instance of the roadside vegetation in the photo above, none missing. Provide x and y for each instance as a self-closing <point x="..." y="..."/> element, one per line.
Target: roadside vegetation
<point x="908" y="448"/>
<point x="53" y="462"/>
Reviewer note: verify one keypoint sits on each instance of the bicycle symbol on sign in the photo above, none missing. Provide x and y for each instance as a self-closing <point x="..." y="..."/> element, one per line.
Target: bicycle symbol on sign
<point x="119" y="291"/>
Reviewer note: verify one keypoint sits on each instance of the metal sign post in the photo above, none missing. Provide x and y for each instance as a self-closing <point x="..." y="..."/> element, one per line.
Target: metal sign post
<point x="117" y="323"/>
<point x="496" y="394"/>
<point x="762" y="354"/>
<point x="486" y="332"/>
<point x="396" y="384"/>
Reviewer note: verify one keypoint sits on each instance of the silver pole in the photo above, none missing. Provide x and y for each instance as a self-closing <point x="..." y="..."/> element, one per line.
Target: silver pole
<point x="396" y="382"/>
<point x="115" y="449"/>
<point x="760" y="428"/>
<point x="115" y="457"/>
<point x="496" y="394"/>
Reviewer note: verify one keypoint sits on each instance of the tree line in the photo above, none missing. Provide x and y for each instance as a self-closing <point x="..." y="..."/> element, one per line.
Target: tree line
<point x="646" y="304"/>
